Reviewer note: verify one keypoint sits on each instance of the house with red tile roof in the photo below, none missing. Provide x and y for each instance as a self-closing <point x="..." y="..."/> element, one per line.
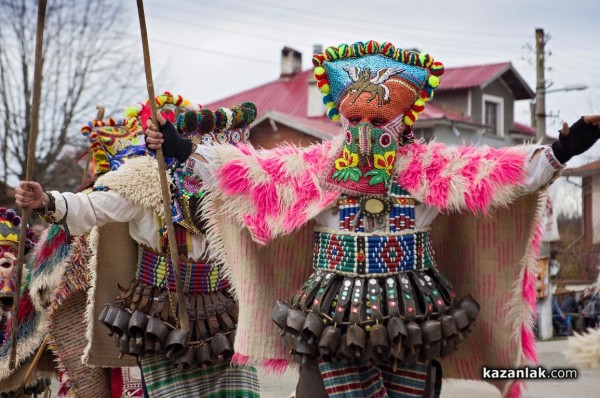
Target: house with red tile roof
<point x="474" y="104"/>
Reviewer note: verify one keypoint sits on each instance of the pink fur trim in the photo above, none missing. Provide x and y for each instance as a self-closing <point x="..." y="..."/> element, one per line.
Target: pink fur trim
<point x="271" y="366"/>
<point x="275" y="366"/>
<point x="234" y="178"/>
<point x="514" y="390"/>
<point x="465" y="176"/>
<point x="240" y="360"/>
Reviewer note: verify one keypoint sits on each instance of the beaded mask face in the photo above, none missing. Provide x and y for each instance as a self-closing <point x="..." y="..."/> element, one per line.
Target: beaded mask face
<point x="377" y="91"/>
<point x="111" y="141"/>
<point x="9" y="241"/>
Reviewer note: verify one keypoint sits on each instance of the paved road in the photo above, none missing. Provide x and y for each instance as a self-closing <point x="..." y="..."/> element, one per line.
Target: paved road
<point x="588" y="384"/>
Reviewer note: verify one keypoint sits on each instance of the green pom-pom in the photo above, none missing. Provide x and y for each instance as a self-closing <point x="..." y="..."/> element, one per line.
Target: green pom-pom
<point x="331" y="53"/>
<point x="343" y="51"/>
<point x="358" y="49"/>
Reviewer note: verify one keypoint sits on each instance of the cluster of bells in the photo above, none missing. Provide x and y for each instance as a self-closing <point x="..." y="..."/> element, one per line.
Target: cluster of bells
<point x="395" y="340"/>
<point x="139" y="334"/>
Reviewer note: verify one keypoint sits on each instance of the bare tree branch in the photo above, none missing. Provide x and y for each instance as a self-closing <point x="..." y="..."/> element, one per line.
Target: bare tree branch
<point x="86" y="60"/>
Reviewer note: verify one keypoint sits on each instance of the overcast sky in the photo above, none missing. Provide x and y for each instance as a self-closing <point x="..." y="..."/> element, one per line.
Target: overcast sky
<point x="208" y="49"/>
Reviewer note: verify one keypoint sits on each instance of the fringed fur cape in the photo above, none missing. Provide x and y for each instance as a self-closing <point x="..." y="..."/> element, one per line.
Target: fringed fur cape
<point x="50" y="282"/>
<point x="485" y="240"/>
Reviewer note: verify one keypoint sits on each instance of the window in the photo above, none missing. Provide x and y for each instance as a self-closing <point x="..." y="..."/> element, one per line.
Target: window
<point x="493" y="114"/>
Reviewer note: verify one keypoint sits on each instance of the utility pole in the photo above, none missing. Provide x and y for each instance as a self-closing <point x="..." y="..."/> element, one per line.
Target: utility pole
<point x="540" y="88"/>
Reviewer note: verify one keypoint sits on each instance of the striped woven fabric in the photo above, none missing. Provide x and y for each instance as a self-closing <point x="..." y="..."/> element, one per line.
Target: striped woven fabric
<point x="343" y="380"/>
<point x="219" y="381"/>
<point x="153" y="269"/>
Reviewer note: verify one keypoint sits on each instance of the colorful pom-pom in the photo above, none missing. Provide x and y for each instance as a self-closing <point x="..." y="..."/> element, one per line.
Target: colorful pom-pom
<point x="343" y="51"/>
<point x="320" y="73"/>
<point x="328" y="101"/>
<point x="372" y="47"/>
<point x="387" y="49"/>
<point x="331" y="53"/>
<point x="331" y="113"/>
<point x="437" y="68"/>
<point x="358" y="49"/>
<point x="323" y="86"/>
<point x="318" y="59"/>
<point x="418" y="108"/>
<point x="398" y="54"/>
<point x="335" y="118"/>
<point x="425" y="60"/>
<point x="433" y="81"/>
<point x="409" y="118"/>
<point x="131" y="111"/>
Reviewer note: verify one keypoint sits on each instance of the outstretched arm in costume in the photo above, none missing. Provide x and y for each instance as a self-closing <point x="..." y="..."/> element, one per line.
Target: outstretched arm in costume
<point x="480" y="178"/>
<point x="80" y="211"/>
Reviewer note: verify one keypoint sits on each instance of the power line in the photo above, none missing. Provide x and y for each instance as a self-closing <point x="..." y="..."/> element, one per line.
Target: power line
<point x="455" y="43"/>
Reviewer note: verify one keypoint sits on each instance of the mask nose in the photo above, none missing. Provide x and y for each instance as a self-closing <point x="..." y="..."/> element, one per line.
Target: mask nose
<point x="364" y="140"/>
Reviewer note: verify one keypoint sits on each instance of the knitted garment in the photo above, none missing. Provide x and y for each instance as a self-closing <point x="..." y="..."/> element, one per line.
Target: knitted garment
<point x="275" y="194"/>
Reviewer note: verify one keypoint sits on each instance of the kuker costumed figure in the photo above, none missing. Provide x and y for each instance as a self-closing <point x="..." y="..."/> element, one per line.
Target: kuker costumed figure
<point x="142" y="320"/>
<point x="420" y="252"/>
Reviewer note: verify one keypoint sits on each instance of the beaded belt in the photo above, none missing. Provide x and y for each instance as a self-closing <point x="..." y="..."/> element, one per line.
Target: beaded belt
<point x="153" y="269"/>
<point x="361" y="254"/>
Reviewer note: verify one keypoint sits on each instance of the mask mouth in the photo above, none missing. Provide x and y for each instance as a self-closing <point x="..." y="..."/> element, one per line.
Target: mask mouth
<point x="7" y="260"/>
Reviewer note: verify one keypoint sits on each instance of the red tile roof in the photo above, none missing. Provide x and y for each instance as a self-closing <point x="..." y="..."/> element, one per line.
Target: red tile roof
<point x="465" y="77"/>
<point x="284" y="95"/>
<point x="288" y="96"/>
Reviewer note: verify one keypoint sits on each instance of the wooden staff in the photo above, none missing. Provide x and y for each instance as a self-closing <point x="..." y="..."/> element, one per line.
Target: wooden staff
<point x="33" y="132"/>
<point x="166" y="194"/>
<point x="33" y="365"/>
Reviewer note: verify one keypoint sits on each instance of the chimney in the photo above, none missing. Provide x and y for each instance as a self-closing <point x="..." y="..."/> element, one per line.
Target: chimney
<point x="291" y="62"/>
<point x="314" y="103"/>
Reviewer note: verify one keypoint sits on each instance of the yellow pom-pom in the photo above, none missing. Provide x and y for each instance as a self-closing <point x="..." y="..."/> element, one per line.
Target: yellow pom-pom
<point x="419" y="102"/>
<point x="324" y="88"/>
<point x="408" y="120"/>
<point x="319" y="72"/>
<point x="335" y="118"/>
<point x="330" y="104"/>
<point x="434" y="81"/>
<point x="131" y="111"/>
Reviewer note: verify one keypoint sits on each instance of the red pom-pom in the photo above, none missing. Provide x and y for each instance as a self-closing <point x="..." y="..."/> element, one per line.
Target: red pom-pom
<point x="437" y="69"/>
<point x="321" y="82"/>
<point x="318" y="59"/>
<point x="418" y="108"/>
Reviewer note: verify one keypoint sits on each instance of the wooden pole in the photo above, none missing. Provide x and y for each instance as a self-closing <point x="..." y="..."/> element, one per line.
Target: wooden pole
<point x="166" y="194"/>
<point x="33" y="132"/>
<point x="33" y="365"/>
